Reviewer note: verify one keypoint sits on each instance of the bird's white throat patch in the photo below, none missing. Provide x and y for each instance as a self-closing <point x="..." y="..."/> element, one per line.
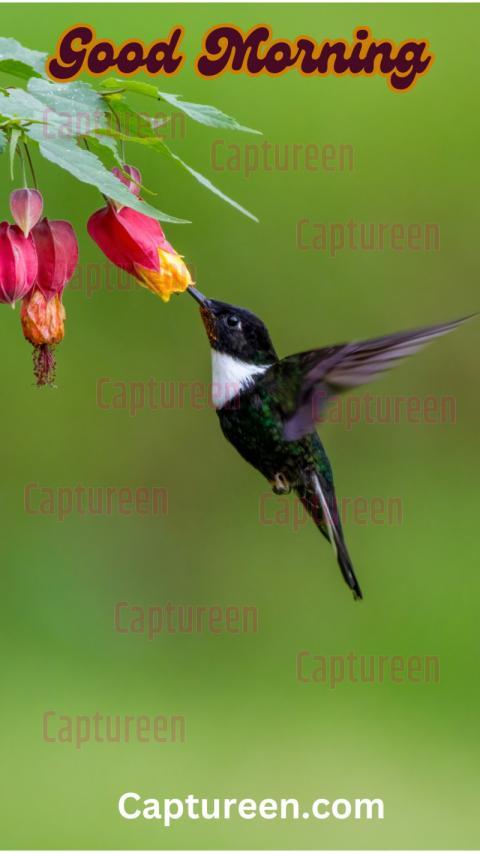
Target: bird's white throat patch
<point x="230" y="376"/>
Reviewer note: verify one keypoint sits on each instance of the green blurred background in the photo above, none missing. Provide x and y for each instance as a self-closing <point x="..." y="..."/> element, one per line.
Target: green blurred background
<point x="252" y="730"/>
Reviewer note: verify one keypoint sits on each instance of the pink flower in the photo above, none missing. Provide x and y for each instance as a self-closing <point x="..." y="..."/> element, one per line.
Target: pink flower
<point x="26" y="206"/>
<point x="132" y="179"/>
<point x="18" y="263"/>
<point x="136" y="243"/>
<point x="57" y="253"/>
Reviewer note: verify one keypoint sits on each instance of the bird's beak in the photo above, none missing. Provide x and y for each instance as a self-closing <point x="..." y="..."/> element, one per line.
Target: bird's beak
<point x="198" y="296"/>
<point x="206" y="313"/>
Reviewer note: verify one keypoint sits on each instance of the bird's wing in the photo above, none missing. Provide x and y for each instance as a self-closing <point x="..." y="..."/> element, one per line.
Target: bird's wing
<point x="303" y="383"/>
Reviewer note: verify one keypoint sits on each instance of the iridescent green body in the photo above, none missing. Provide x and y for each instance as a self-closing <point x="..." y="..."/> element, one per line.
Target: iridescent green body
<point x="253" y="423"/>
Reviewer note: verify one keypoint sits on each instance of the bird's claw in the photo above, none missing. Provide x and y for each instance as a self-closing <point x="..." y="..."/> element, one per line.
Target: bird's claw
<point x="280" y="484"/>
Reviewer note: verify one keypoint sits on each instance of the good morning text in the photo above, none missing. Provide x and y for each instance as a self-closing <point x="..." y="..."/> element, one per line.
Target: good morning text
<point x="227" y="48"/>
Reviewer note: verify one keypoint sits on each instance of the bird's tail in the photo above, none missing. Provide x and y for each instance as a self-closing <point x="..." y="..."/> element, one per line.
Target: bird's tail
<point x="318" y="498"/>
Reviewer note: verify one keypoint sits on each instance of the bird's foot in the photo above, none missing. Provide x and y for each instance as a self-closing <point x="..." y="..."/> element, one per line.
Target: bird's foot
<point x="280" y="484"/>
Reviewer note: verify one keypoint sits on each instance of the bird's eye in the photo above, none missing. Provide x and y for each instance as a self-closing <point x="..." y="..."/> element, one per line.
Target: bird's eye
<point x="233" y="321"/>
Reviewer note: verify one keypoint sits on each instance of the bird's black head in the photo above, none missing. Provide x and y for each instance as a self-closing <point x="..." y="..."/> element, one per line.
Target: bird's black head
<point x="235" y="331"/>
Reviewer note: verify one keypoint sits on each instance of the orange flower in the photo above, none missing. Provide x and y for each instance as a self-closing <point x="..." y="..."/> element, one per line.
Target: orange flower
<point x="43" y="325"/>
<point x="42" y="319"/>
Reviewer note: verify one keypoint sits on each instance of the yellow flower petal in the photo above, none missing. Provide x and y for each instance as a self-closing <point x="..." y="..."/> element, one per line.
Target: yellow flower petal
<point x="172" y="277"/>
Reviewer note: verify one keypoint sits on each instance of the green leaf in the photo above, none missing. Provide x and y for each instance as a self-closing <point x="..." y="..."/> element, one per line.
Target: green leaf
<point x="142" y="125"/>
<point x="86" y="112"/>
<point x="20" y="61"/>
<point x="89" y="169"/>
<point x="14" y="140"/>
<point x="131" y="86"/>
<point x="158" y="145"/>
<point x="57" y="145"/>
<point x="76" y="99"/>
<point x="202" y="113"/>
<point x="205" y="114"/>
<point x="208" y="184"/>
<point x="103" y="150"/>
<point x="81" y="109"/>
<point x="21" y="105"/>
<point x="3" y="141"/>
<point x="110" y="144"/>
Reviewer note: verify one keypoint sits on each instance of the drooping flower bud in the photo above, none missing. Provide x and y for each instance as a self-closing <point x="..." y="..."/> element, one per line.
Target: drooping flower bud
<point x="18" y="263"/>
<point x="57" y="253"/>
<point x="26" y="206"/>
<point x="43" y="325"/>
<point x="136" y="243"/>
<point x="132" y="179"/>
<point x="42" y="319"/>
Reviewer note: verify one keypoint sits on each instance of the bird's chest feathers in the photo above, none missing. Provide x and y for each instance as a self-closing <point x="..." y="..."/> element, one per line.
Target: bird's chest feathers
<point x="230" y="377"/>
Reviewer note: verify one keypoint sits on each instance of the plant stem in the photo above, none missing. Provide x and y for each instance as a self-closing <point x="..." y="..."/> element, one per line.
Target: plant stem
<point x="119" y="129"/>
<point x="27" y="152"/>
<point x="19" y="152"/>
<point x="24" y="169"/>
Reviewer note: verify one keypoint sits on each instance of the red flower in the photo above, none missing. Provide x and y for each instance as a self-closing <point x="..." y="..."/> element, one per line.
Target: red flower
<point x="18" y="263"/>
<point x="43" y="314"/>
<point x="136" y="243"/>
<point x="26" y="206"/>
<point x="57" y="253"/>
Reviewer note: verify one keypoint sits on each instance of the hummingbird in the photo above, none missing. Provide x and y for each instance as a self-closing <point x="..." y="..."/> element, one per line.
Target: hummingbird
<point x="267" y="406"/>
